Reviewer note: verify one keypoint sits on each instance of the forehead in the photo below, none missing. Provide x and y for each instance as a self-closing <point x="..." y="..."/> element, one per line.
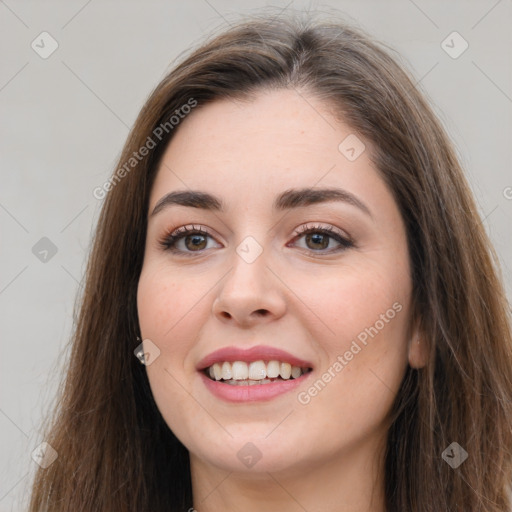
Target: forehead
<point x="251" y="150"/>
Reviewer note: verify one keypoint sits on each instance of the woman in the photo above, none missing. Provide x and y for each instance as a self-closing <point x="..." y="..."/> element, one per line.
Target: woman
<point x="323" y="321"/>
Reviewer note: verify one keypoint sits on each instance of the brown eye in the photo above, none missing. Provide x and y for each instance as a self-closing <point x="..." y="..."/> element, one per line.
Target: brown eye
<point x="319" y="239"/>
<point x="197" y="241"/>
<point x="186" y="241"/>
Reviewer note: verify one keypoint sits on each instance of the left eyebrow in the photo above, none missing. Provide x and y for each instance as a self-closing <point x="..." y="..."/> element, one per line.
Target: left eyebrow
<point x="296" y="198"/>
<point x="291" y="198"/>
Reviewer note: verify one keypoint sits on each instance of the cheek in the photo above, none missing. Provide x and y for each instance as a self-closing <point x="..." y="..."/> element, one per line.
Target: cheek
<point x="155" y="298"/>
<point x="343" y="302"/>
<point x="168" y="305"/>
<point x="169" y="313"/>
<point x="364" y="360"/>
<point x="360" y="325"/>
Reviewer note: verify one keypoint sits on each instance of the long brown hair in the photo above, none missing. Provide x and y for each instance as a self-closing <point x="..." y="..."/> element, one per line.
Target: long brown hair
<point x="116" y="453"/>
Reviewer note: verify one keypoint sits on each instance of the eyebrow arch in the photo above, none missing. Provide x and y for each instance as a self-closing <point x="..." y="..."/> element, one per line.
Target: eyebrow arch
<point x="291" y="198"/>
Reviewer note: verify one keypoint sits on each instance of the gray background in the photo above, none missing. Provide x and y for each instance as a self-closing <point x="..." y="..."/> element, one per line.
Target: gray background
<point x="65" y="119"/>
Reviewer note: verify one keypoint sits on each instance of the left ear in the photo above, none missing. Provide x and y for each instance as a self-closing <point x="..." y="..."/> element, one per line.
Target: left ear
<point x="418" y="349"/>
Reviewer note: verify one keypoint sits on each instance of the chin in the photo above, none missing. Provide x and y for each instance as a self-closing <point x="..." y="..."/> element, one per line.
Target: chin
<point x="253" y="453"/>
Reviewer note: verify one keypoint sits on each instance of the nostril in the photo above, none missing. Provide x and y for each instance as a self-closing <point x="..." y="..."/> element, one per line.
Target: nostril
<point x="257" y="312"/>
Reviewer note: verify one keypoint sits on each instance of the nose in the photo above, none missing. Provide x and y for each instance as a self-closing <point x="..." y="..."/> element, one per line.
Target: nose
<point x="249" y="294"/>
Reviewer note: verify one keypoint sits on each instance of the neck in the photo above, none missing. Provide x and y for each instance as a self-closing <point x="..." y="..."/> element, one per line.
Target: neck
<point x="347" y="482"/>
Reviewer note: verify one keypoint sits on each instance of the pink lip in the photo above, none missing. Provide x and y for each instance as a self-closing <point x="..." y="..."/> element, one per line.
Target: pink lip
<point x="258" y="392"/>
<point x="257" y="353"/>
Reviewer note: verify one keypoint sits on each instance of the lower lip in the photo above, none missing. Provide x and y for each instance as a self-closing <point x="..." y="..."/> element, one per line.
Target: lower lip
<point x="256" y="392"/>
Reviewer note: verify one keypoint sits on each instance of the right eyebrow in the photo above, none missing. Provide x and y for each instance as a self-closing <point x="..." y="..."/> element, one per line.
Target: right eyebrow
<point x="191" y="198"/>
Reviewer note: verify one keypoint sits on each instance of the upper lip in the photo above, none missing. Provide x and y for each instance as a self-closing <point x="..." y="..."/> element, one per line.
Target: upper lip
<point x="257" y="353"/>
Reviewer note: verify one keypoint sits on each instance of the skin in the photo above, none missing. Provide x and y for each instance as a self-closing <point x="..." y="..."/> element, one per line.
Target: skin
<point x="297" y="296"/>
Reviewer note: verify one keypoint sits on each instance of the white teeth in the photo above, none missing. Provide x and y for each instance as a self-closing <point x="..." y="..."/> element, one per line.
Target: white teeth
<point x="240" y="370"/>
<point x="296" y="372"/>
<point x="273" y="369"/>
<point x="226" y="373"/>
<point x="217" y="371"/>
<point x="285" y="370"/>
<point x="255" y="372"/>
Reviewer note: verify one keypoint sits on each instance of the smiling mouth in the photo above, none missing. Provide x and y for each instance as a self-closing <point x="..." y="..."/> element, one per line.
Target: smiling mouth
<point x="240" y="373"/>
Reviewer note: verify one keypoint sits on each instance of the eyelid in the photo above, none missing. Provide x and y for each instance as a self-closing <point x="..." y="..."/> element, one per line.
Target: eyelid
<point x="305" y="228"/>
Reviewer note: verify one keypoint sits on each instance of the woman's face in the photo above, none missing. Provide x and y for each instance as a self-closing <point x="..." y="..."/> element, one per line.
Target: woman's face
<point x="280" y="264"/>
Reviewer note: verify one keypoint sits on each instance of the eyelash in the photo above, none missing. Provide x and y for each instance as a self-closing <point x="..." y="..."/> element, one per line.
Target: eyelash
<point x="168" y="241"/>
